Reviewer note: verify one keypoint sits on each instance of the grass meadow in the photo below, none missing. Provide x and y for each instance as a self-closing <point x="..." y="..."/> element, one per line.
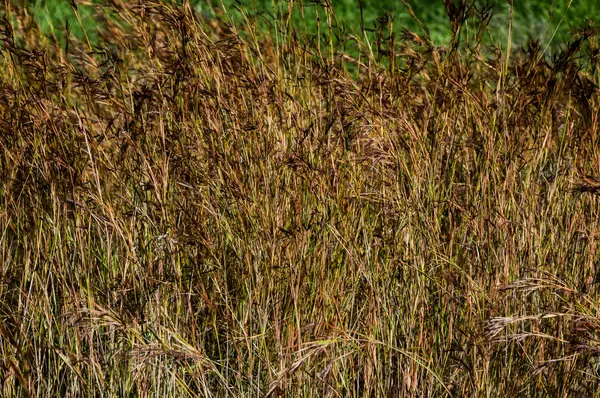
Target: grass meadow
<point x="222" y="207"/>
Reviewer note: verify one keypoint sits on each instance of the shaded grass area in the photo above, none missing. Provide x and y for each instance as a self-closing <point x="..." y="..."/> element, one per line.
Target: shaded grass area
<point x="198" y="211"/>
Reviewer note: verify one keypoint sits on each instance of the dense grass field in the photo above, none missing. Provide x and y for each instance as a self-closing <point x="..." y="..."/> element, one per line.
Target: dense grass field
<point x="203" y="207"/>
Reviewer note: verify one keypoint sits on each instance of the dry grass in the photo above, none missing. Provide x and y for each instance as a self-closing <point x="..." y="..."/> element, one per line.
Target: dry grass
<point x="200" y="210"/>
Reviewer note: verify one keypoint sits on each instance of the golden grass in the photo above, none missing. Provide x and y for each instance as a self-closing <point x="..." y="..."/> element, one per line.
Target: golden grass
<point x="192" y="211"/>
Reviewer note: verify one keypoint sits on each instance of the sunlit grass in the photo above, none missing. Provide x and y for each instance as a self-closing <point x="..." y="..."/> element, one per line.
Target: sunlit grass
<point x="210" y="207"/>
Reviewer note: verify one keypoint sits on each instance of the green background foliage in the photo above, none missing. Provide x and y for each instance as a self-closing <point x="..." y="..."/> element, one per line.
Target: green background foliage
<point x="546" y="20"/>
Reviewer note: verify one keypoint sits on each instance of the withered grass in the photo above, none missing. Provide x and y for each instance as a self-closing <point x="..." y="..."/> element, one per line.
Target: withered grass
<point x="193" y="208"/>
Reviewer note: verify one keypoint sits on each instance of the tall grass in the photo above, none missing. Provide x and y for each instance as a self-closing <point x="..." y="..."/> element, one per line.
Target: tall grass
<point x="194" y="208"/>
